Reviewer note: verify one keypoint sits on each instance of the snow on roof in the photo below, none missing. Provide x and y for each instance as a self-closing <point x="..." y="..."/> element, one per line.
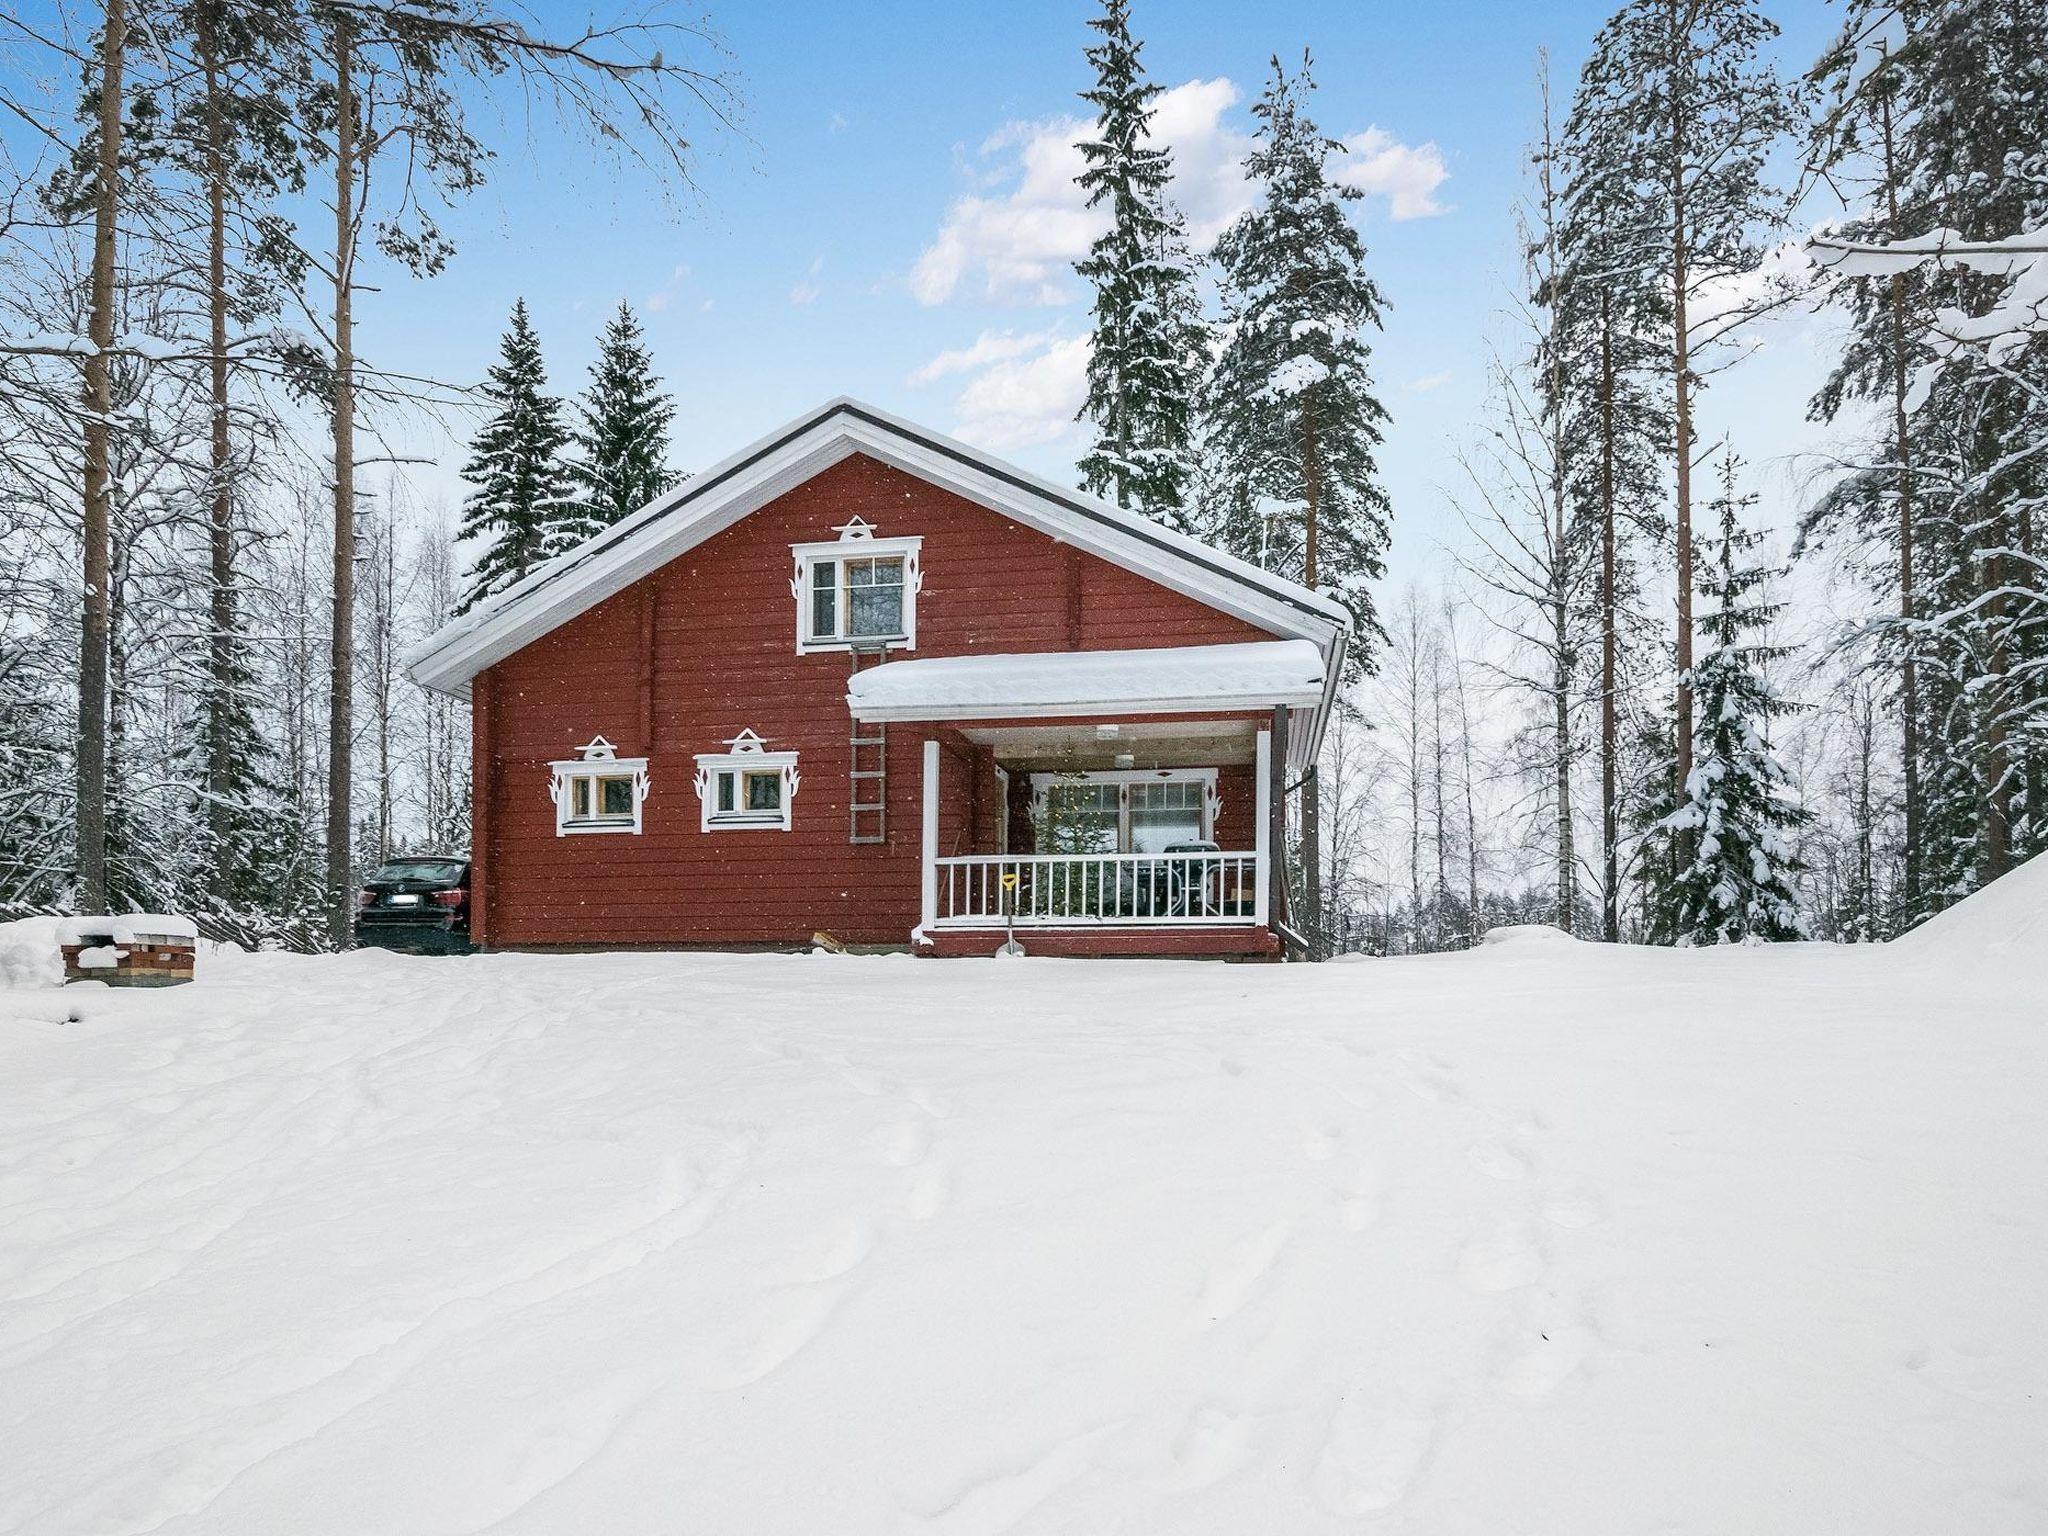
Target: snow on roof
<point x="723" y="494"/>
<point x="1195" y="677"/>
<point x="126" y="928"/>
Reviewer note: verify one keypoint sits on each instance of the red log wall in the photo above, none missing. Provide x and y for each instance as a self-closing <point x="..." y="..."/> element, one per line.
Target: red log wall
<point x="687" y="658"/>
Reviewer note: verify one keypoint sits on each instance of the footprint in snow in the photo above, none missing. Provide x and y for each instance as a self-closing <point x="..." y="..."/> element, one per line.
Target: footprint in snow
<point x="1503" y="1260"/>
<point x="802" y="1315"/>
<point x="1498" y="1162"/>
<point x="1541" y="1368"/>
<point x="1213" y="1444"/>
<point x="1574" y="1209"/>
<point x="1234" y="1276"/>
<point x="926" y="1192"/>
<point x="1371" y="1459"/>
<point x="839" y="1251"/>
<point x="905" y="1143"/>
<point x="1322" y="1144"/>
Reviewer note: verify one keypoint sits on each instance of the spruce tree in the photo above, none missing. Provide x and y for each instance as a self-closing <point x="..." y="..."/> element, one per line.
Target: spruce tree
<point x="1149" y="343"/>
<point x="521" y="511"/>
<point x="1733" y="846"/>
<point x="622" y="438"/>
<point x="1292" y="419"/>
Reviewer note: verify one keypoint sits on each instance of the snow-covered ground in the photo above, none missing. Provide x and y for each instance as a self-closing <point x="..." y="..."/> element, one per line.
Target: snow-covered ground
<point x="1545" y="1238"/>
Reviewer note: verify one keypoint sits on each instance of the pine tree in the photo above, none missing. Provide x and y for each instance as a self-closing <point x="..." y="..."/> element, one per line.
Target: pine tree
<point x="1293" y="422"/>
<point x="1678" y="110"/>
<point x="1733" y="833"/>
<point x="521" y="509"/>
<point x="1149" y="343"/>
<point x="1609" y="336"/>
<point x="622" y="440"/>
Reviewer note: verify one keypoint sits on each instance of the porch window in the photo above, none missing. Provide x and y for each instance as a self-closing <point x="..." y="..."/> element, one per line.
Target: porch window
<point x="1164" y="814"/>
<point x="598" y="791"/>
<point x="748" y="787"/>
<point x="1079" y="818"/>
<point x="857" y="591"/>
<point x="1128" y="811"/>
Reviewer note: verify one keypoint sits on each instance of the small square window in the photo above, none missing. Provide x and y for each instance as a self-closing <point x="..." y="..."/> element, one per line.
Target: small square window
<point x="598" y="795"/>
<point x="748" y="788"/>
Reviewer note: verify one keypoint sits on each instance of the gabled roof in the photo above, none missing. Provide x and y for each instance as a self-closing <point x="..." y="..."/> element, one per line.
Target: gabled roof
<point x="713" y="501"/>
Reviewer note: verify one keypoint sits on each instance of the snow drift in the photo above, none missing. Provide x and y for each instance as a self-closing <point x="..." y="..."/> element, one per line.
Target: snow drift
<point x="2005" y="923"/>
<point x="1545" y="1237"/>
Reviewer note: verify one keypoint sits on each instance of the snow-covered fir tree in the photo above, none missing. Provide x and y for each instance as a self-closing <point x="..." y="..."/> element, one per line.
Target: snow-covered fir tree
<point x="1292" y="422"/>
<point x="523" y="508"/>
<point x="1149" y="343"/>
<point x="622" y="437"/>
<point x="1936" y="118"/>
<point x="1732" y="836"/>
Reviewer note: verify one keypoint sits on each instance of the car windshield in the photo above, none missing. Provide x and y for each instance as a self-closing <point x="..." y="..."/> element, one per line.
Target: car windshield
<point x="442" y="871"/>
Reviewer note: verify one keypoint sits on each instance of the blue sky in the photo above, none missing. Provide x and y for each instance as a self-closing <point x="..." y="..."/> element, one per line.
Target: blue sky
<point x="876" y="228"/>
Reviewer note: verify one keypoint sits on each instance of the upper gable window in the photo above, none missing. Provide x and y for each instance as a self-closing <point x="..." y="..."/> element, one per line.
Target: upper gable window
<point x="858" y="590"/>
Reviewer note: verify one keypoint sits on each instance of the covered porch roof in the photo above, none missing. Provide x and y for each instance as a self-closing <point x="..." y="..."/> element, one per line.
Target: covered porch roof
<point x="1178" y="681"/>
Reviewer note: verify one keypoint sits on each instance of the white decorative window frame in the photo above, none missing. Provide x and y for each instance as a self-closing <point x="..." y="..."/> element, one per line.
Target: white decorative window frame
<point x="749" y="755"/>
<point x="856" y="541"/>
<point x="598" y="759"/>
<point x="1212" y="797"/>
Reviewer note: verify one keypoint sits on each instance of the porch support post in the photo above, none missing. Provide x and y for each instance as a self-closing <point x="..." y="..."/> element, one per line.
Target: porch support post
<point x="1263" y="831"/>
<point x="1274" y="823"/>
<point x="929" y="900"/>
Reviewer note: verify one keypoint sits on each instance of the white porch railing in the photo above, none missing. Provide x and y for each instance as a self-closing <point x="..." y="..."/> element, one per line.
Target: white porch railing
<point x="1140" y="890"/>
<point x="1133" y="890"/>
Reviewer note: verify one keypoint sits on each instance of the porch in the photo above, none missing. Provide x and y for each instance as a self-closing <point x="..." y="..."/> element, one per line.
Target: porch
<point x="1140" y="825"/>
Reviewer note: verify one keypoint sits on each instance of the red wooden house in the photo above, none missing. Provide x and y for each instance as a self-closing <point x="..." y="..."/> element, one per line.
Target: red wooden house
<point x="862" y="679"/>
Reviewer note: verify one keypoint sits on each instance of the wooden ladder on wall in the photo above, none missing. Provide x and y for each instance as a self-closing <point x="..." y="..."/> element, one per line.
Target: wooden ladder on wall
<point x="867" y="787"/>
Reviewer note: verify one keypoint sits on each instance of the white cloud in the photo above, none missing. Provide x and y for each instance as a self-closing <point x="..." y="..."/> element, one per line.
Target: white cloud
<point x="988" y="348"/>
<point x="1016" y="238"/>
<point x="655" y="303"/>
<point x="1022" y="389"/>
<point x="1407" y="176"/>
<point x="806" y="291"/>
<point x="836" y="123"/>
<point x="1428" y="382"/>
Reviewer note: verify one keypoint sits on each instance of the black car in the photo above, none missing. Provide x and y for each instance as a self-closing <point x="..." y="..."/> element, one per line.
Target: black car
<point x="416" y="903"/>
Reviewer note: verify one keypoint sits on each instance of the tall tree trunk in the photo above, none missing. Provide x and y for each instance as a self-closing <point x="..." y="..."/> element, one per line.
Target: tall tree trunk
<point x="221" y="502"/>
<point x="1681" y="380"/>
<point x="1902" y="456"/>
<point x="341" y="655"/>
<point x="99" y="488"/>
<point x="1610" y="816"/>
<point x="1311" y="789"/>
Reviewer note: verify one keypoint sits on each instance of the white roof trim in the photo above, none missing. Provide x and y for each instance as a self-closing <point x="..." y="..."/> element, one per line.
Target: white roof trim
<point x="721" y="496"/>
